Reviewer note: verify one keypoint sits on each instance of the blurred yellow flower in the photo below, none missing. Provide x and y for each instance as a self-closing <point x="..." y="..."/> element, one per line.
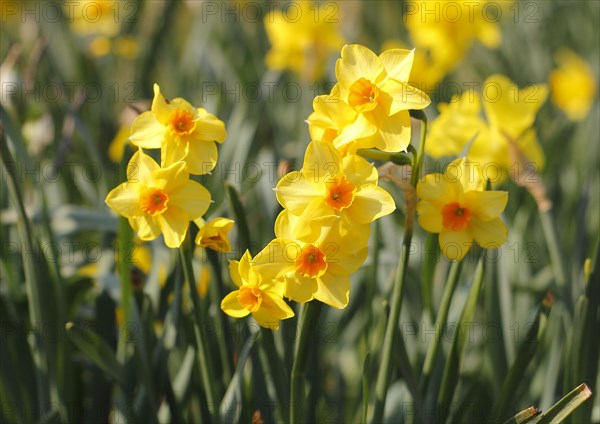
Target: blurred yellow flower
<point x="100" y="46"/>
<point x="158" y="200"/>
<point x="258" y="293"/>
<point x="573" y="85"/>
<point x="214" y="234"/>
<point x="446" y="29"/>
<point x="376" y="88"/>
<point x="93" y="17"/>
<point x="181" y="131"/>
<point x="332" y="185"/>
<point x="456" y="205"/>
<point x="316" y="266"/>
<point x="510" y="114"/>
<point x="303" y="37"/>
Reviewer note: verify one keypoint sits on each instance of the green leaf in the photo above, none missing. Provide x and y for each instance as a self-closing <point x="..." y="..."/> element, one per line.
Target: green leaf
<point x="564" y="407"/>
<point x="526" y="352"/>
<point x="96" y="350"/>
<point x="230" y="408"/>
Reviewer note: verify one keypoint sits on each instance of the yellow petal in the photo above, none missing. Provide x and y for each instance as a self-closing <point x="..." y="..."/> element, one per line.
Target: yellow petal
<point x="358" y="62"/>
<point x="509" y="108"/>
<point x="147" y="131"/>
<point x="438" y="190"/>
<point x="209" y="127"/>
<point x="202" y="157"/>
<point x="193" y="198"/>
<point x="173" y="150"/>
<point x="299" y="288"/>
<point x="393" y="133"/>
<point x="333" y="290"/>
<point x="124" y="200"/>
<point x="173" y="224"/>
<point x="359" y="170"/>
<point x="404" y="96"/>
<point x="370" y="203"/>
<point x="145" y="227"/>
<point x="140" y="168"/>
<point x="398" y="63"/>
<point x="489" y="234"/>
<point x="486" y="205"/>
<point x="430" y="217"/>
<point x="294" y="192"/>
<point x="231" y="306"/>
<point x="321" y="162"/>
<point x="235" y="273"/>
<point x="455" y="244"/>
<point x="160" y="107"/>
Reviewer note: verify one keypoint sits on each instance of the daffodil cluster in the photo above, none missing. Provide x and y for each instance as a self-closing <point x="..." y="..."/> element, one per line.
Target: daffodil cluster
<point x="162" y="199"/>
<point x="321" y="236"/>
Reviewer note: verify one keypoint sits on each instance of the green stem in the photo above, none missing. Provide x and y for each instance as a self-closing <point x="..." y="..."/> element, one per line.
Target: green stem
<point x="556" y="257"/>
<point x="442" y="319"/>
<point x="310" y="317"/>
<point x="397" y="158"/>
<point x="383" y="376"/>
<point x="185" y="255"/>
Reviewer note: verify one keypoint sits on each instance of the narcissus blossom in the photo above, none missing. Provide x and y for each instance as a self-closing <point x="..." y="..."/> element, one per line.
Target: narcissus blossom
<point x="456" y="205"/>
<point x="376" y="88"/>
<point x="214" y="234"/>
<point x="258" y="293"/>
<point x="446" y="29"/>
<point x="316" y="266"/>
<point x="510" y="113"/>
<point x="303" y="42"/>
<point x="158" y="200"/>
<point x="573" y="85"/>
<point x="181" y="131"/>
<point x="332" y="185"/>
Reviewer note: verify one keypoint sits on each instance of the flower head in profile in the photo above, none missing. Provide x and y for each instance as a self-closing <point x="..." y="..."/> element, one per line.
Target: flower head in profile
<point x="332" y="185"/>
<point x="303" y="38"/>
<point x="316" y="266"/>
<point x="456" y="205"/>
<point x="510" y="114"/>
<point x="181" y="131"/>
<point x="376" y="88"/>
<point x="158" y="200"/>
<point x="573" y="85"/>
<point x="214" y="234"/>
<point x="258" y="293"/>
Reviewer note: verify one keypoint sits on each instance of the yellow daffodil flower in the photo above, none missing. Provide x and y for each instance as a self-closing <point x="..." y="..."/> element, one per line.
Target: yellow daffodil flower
<point x="258" y="293"/>
<point x="158" y="200"/>
<point x="181" y="131"/>
<point x="214" y="234"/>
<point x="573" y="85"/>
<point x="447" y="29"/>
<point x="456" y="206"/>
<point x="316" y="267"/>
<point x="376" y="88"/>
<point x="510" y="114"/>
<point x="94" y="17"/>
<point x="332" y="185"/>
<point x="303" y="37"/>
